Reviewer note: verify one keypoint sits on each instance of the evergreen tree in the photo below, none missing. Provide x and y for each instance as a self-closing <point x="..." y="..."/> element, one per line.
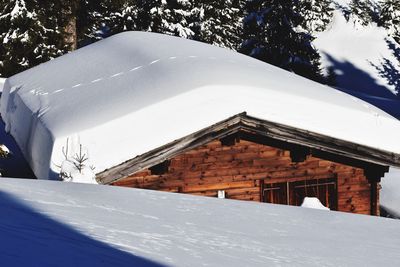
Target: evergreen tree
<point x="390" y="17"/>
<point x="86" y="21"/>
<point x="173" y="17"/>
<point x="317" y="14"/>
<point x="364" y="12"/>
<point x="271" y="34"/>
<point x="221" y="22"/>
<point x="149" y="15"/>
<point x="179" y="18"/>
<point x="331" y="77"/>
<point x="30" y="34"/>
<point x="106" y="17"/>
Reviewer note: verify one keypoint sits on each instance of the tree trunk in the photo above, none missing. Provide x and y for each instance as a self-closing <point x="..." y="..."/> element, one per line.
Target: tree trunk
<point x="70" y="35"/>
<point x="70" y="30"/>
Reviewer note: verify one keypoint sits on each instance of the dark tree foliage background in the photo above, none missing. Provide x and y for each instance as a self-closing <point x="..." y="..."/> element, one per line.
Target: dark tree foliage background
<point x="271" y="33"/>
<point x="279" y="32"/>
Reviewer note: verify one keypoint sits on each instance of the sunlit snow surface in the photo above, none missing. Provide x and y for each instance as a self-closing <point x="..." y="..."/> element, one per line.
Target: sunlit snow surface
<point x="46" y="222"/>
<point x="2" y="80"/>
<point x="359" y="54"/>
<point x="134" y="92"/>
<point x="313" y="203"/>
<point x="390" y="192"/>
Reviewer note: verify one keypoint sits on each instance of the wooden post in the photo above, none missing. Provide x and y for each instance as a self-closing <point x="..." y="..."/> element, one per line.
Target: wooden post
<point x="374" y="176"/>
<point x="374" y="198"/>
<point x="299" y="154"/>
<point x="261" y="190"/>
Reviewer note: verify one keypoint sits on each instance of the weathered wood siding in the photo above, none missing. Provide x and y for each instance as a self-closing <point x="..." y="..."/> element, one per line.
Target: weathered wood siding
<point x="237" y="169"/>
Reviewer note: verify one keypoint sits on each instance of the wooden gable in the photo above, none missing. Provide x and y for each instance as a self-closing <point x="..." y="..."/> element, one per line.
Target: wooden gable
<point x="245" y="169"/>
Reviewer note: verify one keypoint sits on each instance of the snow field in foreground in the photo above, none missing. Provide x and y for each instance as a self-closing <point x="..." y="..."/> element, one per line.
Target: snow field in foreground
<point x="92" y="225"/>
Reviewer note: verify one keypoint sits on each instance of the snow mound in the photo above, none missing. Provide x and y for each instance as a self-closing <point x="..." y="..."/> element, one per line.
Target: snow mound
<point x="69" y="172"/>
<point x="2" y="81"/>
<point x="390" y="192"/>
<point x="364" y="58"/>
<point x="76" y="166"/>
<point x="313" y="203"/>
<point x="135" y="91"/>
<point x="66" y="224"/>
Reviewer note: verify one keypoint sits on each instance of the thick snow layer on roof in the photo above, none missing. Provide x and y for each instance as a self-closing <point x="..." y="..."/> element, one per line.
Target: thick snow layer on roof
<point x="135" y="91"/>
<point x="390" y="192"/>
<point x="65" y="224"/>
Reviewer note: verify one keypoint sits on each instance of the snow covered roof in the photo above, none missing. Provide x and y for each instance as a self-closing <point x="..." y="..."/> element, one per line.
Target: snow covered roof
<point x="66" y="224"/>
<point x="135" y="91"/>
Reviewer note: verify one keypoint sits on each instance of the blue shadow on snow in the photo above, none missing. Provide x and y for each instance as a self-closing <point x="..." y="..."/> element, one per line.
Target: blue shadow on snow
<point x="29" y="238"/>
<point x="360" y="84"/>
<point x="15" y="165"/>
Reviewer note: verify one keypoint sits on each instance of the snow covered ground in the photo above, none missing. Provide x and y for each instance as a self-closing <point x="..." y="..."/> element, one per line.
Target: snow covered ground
<point x="47" y="223"/>
<point x="354" y="51"/>
<point x="365" y="60"/>
<point x="390" y="192"/>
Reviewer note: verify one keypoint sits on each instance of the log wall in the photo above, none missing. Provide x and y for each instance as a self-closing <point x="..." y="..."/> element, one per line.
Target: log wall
<point x="238" y="169"/>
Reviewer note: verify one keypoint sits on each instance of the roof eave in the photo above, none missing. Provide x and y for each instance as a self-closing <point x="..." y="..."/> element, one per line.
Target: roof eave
<point x="243" y="122"/>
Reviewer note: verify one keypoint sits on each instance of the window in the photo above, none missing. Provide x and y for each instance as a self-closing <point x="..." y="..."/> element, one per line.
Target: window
<point x="293" y="193"/>
<point x="275" y="193"/>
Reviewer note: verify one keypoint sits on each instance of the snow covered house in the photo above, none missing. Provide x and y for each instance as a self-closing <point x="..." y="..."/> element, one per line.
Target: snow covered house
<point x="159" y="112"/>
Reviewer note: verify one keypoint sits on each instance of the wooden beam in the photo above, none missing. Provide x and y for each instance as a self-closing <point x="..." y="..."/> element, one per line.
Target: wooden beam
<point x="374" y="176"/>
<point x="160" y="168"/>
<point x="338" y="158"/>
<point x="299" y="155"/>
<point x="230" y="140"/>
<point x="218" y="186"/>
<point x="376" y="173"/>
<point x="374" y="198"/>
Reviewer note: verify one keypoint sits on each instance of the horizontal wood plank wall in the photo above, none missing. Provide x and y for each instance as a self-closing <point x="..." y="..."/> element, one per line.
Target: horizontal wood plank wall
<point x="238" y="169"/>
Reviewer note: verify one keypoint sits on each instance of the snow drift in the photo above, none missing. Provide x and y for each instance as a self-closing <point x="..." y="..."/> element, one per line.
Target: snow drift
<point x="365" y="59"/>
<point x="135" y="91"/>
<point x="48" y="223"/>
<point x="356" y="53"/>
<point x="390" y="192"/>
<point x="2" y="80"/>
<point x="313" y="203"/>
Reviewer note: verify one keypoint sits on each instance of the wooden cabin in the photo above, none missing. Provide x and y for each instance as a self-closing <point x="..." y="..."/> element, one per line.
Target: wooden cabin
<point x="246" y="158"/>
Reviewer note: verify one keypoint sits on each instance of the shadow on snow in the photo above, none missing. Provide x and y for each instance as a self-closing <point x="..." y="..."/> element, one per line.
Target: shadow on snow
<point x="351" y="78"/>
<point x="360" y="84"/>
<point x="29" y="238"/>
<point x="15" y="164"/>
<point x="388" y="70"/>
